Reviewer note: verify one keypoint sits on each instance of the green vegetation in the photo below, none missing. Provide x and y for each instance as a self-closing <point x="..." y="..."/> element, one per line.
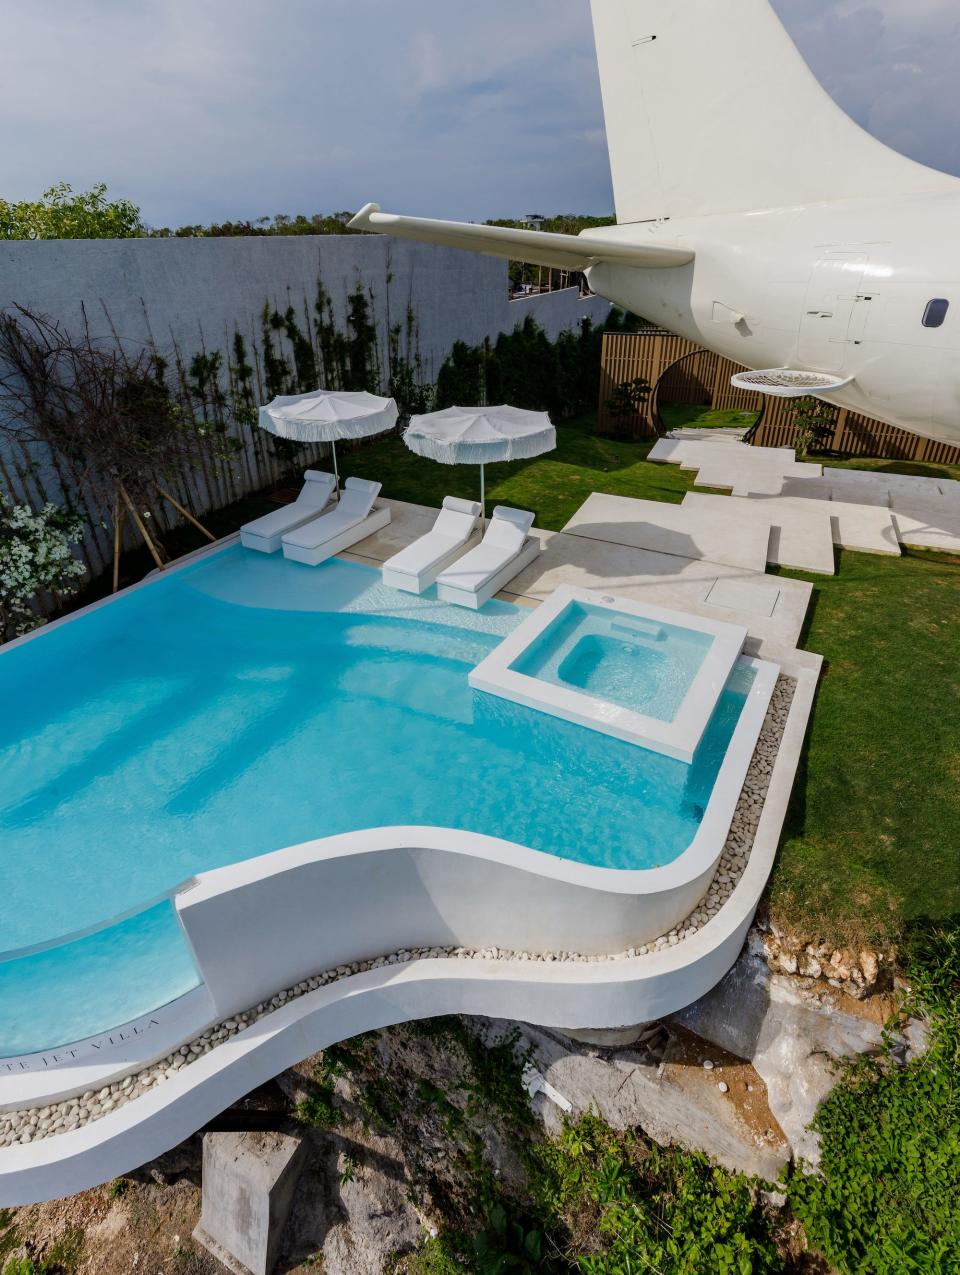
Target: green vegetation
<point x="887" y="1199"/>
<point x="63" y="213"/>
<point x="554" y="486"/>
<point x="594" y="1200"/>
<point x="883" y="465"/>
<point x="872" y="834"/>
<point x="678" y="415"/>
<point x="279" y="224"/>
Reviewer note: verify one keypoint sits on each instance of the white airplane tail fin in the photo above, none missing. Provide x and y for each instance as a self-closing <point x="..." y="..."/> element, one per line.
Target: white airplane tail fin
<point x="711" y="109"/>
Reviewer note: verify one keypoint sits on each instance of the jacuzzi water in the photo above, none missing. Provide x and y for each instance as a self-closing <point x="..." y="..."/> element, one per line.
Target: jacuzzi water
<point x="245" y="704"/>
<point x="627" y="660"/>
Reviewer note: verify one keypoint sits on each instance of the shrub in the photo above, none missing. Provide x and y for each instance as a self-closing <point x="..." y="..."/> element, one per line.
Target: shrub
<point x="887" y="1197"/>
<point x="63" y="213"/>
<point x="34" y="556"/>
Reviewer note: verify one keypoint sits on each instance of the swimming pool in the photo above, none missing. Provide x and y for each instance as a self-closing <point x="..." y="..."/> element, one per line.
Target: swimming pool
<point x="244" y="704"/>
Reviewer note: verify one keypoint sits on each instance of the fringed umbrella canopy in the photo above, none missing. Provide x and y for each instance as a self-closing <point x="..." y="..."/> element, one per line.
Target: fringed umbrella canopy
<point x="480" y="436"/>
<point x="328" y="416"/>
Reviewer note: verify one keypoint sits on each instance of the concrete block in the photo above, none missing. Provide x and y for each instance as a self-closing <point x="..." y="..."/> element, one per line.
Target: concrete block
<point x="248" y="1185"/>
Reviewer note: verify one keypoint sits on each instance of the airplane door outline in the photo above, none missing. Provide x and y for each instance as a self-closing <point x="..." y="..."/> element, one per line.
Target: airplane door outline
<point x="835" y="283"/>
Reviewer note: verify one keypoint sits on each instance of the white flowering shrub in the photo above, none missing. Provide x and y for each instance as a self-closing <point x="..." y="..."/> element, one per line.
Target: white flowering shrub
<point x="34" y="555"/>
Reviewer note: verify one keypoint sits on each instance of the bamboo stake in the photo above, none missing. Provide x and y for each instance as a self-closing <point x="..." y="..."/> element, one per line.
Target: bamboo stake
<point x="141" y="528"/>
<point x="118" y="513"/>
<point x="186" y="512"/>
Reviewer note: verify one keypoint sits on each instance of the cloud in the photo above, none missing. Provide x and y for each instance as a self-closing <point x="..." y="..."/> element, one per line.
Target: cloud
<point x="891" y="65"/>
<point x="232" y="108"/>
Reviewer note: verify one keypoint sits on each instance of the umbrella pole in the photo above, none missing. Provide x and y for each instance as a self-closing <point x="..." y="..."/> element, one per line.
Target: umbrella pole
<point x="336" y="472"/>
<point x="483" y="503"/>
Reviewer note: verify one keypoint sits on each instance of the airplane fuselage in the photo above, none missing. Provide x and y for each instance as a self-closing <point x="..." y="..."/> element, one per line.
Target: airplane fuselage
<point x="840" y="287"/>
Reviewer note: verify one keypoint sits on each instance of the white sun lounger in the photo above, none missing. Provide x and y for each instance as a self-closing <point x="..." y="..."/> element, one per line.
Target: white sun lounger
<point x="416" y="567"/>
<point x="503" y="553"/>
<point x="355" y="517"/>
<point x="266" y="533"/>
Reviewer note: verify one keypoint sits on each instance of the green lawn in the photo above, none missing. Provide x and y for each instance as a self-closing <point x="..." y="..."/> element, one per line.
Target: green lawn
<point x="873" y="834"/>
<point x="677" y="415"/>
<point x="553" y="486"/>
<point x="917" y="467"/>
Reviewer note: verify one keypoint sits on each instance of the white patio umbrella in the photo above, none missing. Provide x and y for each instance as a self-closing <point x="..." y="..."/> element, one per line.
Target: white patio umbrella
<point x="329" y="416"/>
<point x="480" y="436"/>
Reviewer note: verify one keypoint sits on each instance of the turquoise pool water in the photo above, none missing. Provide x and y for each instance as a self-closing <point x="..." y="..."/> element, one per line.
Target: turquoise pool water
<point x="245" y="704"/>
<point x="627" y="660"/>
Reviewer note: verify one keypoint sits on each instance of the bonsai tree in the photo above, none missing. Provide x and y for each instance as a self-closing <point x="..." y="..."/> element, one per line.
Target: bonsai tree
<point x="629" y="398"/>
<point x="108" y="417"/>
<point x="34" y="556"/>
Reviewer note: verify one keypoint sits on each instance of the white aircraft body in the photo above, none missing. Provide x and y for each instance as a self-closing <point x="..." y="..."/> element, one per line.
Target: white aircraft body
<point x="756" y="218"/>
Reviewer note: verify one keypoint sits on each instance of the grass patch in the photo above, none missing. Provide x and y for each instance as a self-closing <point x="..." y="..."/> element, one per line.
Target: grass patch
<point x="916" y="468"/>
<point x="873" y="828"/>
<point x="689" y="415"/>
<point x="553" y="486"/>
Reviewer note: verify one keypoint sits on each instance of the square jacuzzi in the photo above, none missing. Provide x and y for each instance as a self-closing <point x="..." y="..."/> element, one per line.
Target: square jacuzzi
<point x="639" y="672"/>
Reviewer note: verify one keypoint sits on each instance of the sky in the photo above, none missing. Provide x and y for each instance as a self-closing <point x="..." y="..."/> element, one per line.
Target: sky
<point x="209" y="110"/>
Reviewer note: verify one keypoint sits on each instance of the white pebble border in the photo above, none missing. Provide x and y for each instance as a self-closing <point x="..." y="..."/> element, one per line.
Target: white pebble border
<point x="31" y="1125"/>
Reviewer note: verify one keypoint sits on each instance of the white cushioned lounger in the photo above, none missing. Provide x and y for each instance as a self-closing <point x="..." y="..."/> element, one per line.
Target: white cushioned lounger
<point x="266" y="533"/>
<point x="355" y="517"/>
<point x="503" y="553"/>
<point x="416" y="567"/>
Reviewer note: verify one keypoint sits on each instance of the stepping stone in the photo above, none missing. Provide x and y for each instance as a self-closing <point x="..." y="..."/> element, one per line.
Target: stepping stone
<point x="706" y="535"/>
<point x="857" y="493"/>
<point x="808" y="488"/>
<point x="668" y="451"/>
<point x="925" y="528"/>
<point x="801" y="535"/>
<point x="951" y="492"/>
<point x="863" y="528"/>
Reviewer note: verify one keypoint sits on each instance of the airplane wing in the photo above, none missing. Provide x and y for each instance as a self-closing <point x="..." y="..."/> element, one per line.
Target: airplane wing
<point x="540" y="248"/>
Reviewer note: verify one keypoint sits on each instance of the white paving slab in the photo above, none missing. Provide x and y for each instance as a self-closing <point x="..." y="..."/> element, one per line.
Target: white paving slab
<point x="691" y="453"/>
<point x="857" y="493"/>
<point x="773" y="610"/>
<point x="714" y="535"/>
<point x="801" y="535"/>
<point x="863" y="528"/>
<point x="925" y="529"/>
<point x="808" y="488"/>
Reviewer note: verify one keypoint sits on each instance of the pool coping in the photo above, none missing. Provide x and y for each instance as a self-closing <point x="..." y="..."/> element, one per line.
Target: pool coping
<point x="678" y="738"/>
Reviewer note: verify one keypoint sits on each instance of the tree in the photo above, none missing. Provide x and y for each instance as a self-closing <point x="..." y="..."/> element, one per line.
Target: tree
<point x="107" y="416"/>
<point x="629" y="398"/>
<point x="34" y="556"/>
<point x="63" y="213"/>
<point x="815" y="421"/>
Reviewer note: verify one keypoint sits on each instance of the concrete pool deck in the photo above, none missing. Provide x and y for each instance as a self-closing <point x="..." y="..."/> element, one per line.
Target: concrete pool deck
<point x="769" y="608"/>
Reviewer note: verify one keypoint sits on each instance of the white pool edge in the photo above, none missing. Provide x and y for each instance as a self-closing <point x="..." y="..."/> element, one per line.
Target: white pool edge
<point x="678" y="738"/>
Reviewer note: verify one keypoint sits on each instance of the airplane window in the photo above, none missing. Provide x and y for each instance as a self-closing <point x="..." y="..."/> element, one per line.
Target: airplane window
<point x="935" y="312"/>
